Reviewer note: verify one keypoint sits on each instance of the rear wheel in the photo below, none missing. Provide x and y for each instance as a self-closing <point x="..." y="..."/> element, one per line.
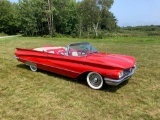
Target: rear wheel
<point x="95" y="80"/>
<point x="33" y="68"/>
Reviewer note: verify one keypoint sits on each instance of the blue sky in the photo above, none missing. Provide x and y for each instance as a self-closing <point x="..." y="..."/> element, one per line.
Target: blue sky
<point x="135" y="12"/>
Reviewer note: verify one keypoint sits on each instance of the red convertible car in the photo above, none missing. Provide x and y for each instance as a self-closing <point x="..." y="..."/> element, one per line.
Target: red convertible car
<point x="77" y="59"/>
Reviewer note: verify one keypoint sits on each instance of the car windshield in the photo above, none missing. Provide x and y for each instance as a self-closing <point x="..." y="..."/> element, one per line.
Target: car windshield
<point x="81" y="49"/>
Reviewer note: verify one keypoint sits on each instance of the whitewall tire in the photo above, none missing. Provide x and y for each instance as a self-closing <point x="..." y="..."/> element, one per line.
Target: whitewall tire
<point x="95" y="80"/>
<point x="33" y="68"/>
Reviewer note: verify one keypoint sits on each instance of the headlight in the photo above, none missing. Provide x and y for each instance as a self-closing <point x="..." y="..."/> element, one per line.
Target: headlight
<point x="121" y="74"/>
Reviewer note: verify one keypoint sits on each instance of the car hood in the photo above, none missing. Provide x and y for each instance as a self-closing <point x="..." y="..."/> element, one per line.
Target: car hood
<point x="114" y="60"/>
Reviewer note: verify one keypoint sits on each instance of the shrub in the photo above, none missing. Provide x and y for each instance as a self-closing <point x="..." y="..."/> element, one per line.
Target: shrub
<point x="3" y="34"/>
<point x="154" y="33"/>
<point x="46" y="36"/>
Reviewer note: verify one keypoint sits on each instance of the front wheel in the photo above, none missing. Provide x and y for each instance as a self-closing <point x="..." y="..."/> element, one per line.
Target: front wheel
<point x="95" y="80"/>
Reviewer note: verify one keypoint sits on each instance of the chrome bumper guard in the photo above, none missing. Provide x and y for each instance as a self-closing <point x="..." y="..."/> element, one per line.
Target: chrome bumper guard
<point x="115" y="82"/>
<point x="16" y="57"/>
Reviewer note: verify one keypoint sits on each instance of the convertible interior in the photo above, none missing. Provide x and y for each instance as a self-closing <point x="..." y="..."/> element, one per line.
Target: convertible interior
<point x="59" y="51"/>
<point x="78" y="49"/>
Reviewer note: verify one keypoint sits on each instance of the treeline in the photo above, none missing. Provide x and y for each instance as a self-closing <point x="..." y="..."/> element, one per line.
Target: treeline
<point x="143" y="28"/>
<point x="57" y="17"/>
<point x="138" y="31"/>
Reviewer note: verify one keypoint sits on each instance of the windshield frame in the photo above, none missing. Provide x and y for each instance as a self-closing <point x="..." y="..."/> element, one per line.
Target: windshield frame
<point x="85" y="47"/>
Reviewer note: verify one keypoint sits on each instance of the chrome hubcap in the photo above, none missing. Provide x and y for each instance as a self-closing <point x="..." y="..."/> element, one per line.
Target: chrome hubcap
<point x="94" y="79"/>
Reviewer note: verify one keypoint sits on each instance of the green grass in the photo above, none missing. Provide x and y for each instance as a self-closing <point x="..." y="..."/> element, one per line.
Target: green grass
<point x="44" y="95"/>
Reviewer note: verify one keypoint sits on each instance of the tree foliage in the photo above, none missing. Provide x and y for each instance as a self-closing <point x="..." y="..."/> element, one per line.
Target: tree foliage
<point x="8" y="17"/>
<point x="68" y="17"/>
<point x="95" y="15"/>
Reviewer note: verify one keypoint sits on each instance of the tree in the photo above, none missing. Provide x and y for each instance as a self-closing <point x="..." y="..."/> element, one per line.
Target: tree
<point x="50" y="16"/>
<point x="33" y="17"/>
<point x="67" y="17"/>
<point x="58" y="15"/>
<point x="108" y="21"/>
<point x="8" y="17"/>
<point x="91" y="12"/>
<point x="41" y="17"/>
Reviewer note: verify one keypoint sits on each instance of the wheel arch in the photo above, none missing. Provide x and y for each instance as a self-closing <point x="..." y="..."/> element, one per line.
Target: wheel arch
<point x="88" y="71"/>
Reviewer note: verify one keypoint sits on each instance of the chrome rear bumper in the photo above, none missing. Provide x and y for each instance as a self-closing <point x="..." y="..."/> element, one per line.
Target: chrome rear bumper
<point x="16" y="57"/>
<point x="115" y="82"/>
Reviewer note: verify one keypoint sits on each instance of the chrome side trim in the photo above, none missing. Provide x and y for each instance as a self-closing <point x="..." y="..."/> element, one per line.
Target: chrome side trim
<point x="115" y="82"/>
<point x="52" y="67"/>
<point x="61" y="68"/>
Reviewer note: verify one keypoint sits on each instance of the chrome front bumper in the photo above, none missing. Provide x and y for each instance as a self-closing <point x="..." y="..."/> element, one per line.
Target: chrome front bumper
<point x="115" y="82"/>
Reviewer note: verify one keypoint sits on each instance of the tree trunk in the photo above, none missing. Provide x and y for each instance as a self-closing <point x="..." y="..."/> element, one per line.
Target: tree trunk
<point x="52" y="24"/>
<point x="80" y="29"/>
<point x="88" y="31"/>
<point x="50" y="19"/>
<point x="95" y="27"/>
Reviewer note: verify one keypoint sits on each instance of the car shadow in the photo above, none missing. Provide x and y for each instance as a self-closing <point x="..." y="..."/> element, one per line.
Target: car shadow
<point x="79" y="80"/>
<point x="109" y="88"/>
<point x="23" y="66"/>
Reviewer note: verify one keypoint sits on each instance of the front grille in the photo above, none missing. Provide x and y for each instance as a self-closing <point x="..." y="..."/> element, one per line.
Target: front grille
<point x="127" y="71"/>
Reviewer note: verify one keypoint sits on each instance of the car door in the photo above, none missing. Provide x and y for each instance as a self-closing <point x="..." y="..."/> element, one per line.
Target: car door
<point x="66" y="65"/>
